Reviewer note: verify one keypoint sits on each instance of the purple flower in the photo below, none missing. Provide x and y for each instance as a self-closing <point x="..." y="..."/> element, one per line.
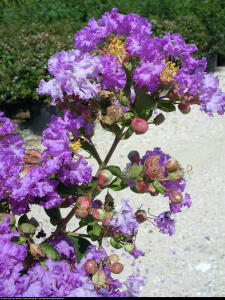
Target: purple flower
<point x="125" y="222"/>
<point x="157" y="151"/>
<point x="113" y="74"/>
<point x="165" y="223"/>
<point x="137" y="253"/>
<point x="133" y="285"/>
<point x="147" y="74"/>
<point x="175" y="208"/>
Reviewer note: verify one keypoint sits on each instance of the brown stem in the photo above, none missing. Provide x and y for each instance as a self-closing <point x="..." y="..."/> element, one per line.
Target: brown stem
<point x="113" y="147"/>
<point x="61" y="226"/>
<point x="98" y="158"/>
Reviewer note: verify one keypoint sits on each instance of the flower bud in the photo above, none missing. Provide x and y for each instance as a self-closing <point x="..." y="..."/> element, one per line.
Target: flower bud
<point x="139" y="126"/>
<point x="81" y="213"/>
<point x="141" y="187"/>
<point x="32" y="157"/>
<point x="98" y="214"/>
<point x="84" y="203"/>
<point x="108" y="217"/>
<point x="91" y="266"/>
<point x="114" y="258"/>
<point x="134" y="157"/>
<point x="129" y="247"/>
<point x="171" y="165"/>
<point x="152" y="190"/>
<point x="27" y="228"/>
<point x="176" y="197"/>
<point x="159" y="119"/>
<point x="116" y="268"/>
<point x="184" y="107"/>
<point x="104" y="177"/>
<point x="141" y="216"/>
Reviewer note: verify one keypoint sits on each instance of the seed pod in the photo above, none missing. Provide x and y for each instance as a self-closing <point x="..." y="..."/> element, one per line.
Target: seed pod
<point x="98" y="214"/>
<point x="176" y="197"/>
<point x="99" y="278"/>
<point x="175" y="176"/>
<point x="141" y="216"/>
<point x="171" y="165"/>
<point x="109" y="203"/>
<point x="139" y="126"/>
<point x="114" y="258"/>
<point x="104" y="177"/>
<point x="184" y="107"/>
<point x="91" y="266"/>
<point x="116" y="267"/>
<point x="159" y="119"/>
<point x="152" y="190"/>
<point x="36" y="251"/>
<point x="134" y="157"/>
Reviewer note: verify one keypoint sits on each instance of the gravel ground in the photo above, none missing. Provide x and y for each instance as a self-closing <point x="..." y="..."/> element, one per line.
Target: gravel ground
<point x="192" y="261"/>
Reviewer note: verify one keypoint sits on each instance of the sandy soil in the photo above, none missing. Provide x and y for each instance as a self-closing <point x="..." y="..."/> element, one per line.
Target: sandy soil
<point x="192" y="261"/>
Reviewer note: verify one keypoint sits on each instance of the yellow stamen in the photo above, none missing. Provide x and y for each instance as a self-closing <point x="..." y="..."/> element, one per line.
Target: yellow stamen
<point x="116" y="48"/>
<point x="75" y="146"/>
<point x="169" y="71"/>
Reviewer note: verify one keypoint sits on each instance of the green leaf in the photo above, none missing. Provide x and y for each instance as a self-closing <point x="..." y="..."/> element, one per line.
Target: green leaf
<point x="95" y="231"/>
<point x="144" y="103"/>
<point x="112" y="128"/>
<point x="66" y="190"/>
<point x="135" y="171"/>
<point x="89" y="148"/>
<point x="117" y="184"/>
<point x="127" y="134"/>
<point x="81" y="245"/>
<point x="91" y="184"/>
<point x="115" y="170"/>
<point x="160" y="188"/>
<point x="50" y="251"/>
<point x="20" y="240"/>
<point x="115" y="244"/>
<point x="89" y="220"/>
<point x="166" y="106"/>
<point x="54" y="214"/>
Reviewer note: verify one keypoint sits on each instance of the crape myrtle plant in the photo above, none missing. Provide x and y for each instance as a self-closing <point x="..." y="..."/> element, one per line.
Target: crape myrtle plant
<point x="119" y="76"/>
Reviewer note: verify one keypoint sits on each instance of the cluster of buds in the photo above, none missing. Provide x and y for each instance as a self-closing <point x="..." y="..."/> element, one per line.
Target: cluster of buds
<point x="149" y="177"/>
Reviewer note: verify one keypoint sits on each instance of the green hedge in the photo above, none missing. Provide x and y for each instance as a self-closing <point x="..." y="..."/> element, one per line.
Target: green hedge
<point x="32" y="30"/>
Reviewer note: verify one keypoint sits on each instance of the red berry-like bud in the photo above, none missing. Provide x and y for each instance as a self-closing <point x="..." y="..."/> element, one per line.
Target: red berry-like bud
<point x="152" y="190"/>
<point x="141" y="216"/>
<point x="134" y="157"/>
<point x="184" y="107"/>
<point x="98" y="214"/>
<point x="141" y="187"/>
<point x="129" y="247"/>
<point x="176" y="197"/>
<point x="171" y="165"/>
<point x="116" y="268"/>
<point x="114" y="258"/>
<point x="81" y="213"/>
<point x="91" y="266"/>
<point x="139" y="126"/>
<point x="84" y="203"/>
<point x="104" y="177"/>
<point x="159" y="119"/>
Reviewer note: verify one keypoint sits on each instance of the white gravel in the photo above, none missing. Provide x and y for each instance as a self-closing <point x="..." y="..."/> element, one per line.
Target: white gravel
<point x="192" y="261"/>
